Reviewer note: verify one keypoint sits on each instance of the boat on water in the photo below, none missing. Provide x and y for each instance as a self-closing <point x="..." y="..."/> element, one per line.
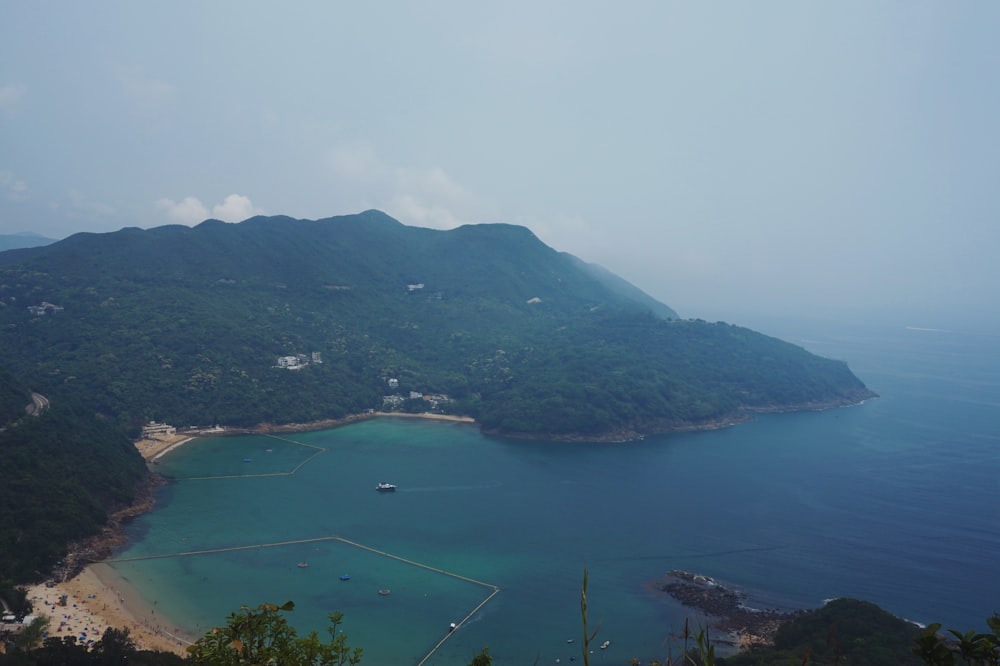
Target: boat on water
<point x="384" y="592"/>
<point x="345" y="577"/>
<point x="386" y="487"/>
<point x="605" y="644"/>
<point x="302" y="565"/>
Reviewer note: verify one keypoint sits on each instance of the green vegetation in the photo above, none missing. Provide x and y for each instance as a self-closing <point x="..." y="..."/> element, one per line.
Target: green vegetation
<point x="64" y="471"/>
<point x="13" y="398"/>
<point x="969" y="647"/>
<point x="263" y="636"/>
<point x="114" y="648"/>
<point x="185" y="325"/>
<point x="844" y="631"/>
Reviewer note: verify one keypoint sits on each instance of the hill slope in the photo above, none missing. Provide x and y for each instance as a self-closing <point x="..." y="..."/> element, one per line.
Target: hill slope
<point x="187" y="324"/>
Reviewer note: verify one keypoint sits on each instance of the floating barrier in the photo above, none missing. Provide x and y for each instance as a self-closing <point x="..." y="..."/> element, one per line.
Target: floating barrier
<point x="383" y="592"/>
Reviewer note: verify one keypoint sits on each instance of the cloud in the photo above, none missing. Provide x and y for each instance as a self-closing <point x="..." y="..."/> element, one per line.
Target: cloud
<point x="190" y="210"/>
<point x="148" y="94"/>
<point x="413" y="210"/>
<point x="426" y="196"/>
<point x="10" y="96"/>
<point x="235" y="208"/>
<point x="186" y="211"/>
<point x="13" y="187"/>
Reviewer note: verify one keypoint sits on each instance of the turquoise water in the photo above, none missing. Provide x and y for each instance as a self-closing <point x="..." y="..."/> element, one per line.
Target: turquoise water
<point x="892" y="501"/>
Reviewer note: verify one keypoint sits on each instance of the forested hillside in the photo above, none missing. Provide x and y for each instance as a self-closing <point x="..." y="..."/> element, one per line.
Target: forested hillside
<point x="63" y="472"/>
<point x="187" y="325"/>
<point x="13" y="398"/>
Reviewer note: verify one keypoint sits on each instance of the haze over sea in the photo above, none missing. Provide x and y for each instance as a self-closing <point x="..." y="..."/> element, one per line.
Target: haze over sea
<point x="893" y="501"/>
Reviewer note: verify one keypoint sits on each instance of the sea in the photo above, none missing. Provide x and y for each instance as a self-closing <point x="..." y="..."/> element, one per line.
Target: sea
<point x="894" y="501"/>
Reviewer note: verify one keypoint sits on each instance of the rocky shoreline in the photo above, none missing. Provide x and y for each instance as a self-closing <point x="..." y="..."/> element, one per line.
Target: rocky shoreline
<point x="726" y="608"/>
<point x="101" y="546"/>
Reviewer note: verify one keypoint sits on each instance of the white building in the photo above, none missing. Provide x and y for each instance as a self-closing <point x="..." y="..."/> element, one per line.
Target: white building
<point x="153" y="429"/>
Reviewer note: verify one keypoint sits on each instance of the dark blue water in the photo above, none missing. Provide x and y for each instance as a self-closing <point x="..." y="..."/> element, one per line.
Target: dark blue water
<point x="894" y="501"/>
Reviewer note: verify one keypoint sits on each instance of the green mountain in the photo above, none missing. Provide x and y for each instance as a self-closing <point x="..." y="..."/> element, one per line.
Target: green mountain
<point x="14" y="398"/>
<point x="65" y="470"/>
<point x="187" y="325"/>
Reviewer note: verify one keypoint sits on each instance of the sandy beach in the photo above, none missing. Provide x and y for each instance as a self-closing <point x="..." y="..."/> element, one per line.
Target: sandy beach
<point x="151" y="449"/>
<point x="96" y="598"/>
<point x="93" y="605"/>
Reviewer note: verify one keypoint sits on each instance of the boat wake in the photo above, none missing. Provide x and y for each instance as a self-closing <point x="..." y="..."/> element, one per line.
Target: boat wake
<point x="444" y="489"/>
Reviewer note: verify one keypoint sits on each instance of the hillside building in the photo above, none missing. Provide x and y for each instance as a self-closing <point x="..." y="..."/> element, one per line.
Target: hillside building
<point x="152" y="430"/>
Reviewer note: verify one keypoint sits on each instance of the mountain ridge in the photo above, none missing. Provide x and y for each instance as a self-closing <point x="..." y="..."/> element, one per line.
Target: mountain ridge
<point x="186" y="324"/>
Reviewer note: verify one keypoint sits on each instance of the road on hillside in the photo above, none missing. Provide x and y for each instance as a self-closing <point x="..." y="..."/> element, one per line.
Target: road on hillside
<point x="39" y="403"/>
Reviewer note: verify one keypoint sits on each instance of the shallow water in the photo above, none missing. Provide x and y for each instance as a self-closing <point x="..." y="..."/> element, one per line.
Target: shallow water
<point x="891" y="501"/>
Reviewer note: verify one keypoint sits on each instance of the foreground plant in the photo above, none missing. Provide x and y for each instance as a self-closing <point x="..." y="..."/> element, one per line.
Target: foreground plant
<point x="263" y="636"/>
<point x="974" y="649"/>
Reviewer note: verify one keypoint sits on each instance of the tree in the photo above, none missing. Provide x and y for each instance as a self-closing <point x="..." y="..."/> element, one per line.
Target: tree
<point x="974" y="649"/>
<point x="263" y="636"/>
<point x="31" y="635"/>
<point x="482" y="659"/>
<point x="15" y="600"/>
<point x="115" y="646"/>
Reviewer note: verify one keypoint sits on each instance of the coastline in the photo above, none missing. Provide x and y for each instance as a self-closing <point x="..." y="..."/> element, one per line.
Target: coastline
<point x="98" y="599"/>
<point x="116" y="604"/>
<point x="724" y="609"/>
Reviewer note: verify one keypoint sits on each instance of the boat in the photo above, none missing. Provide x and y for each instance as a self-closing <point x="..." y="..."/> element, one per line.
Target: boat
<point x="345" y="577"/>
<point x="384" y="592"/>
<point x="386" y="487"/>
<point x="247" y="459"/>
<point x="605" y="644"/>
<point x="302" y="565"/>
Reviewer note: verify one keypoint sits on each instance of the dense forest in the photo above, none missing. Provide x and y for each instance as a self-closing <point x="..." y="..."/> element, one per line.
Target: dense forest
<point x="64" y="471"/>
<point x="14" y="398"/>
<point x="187" y="325"/>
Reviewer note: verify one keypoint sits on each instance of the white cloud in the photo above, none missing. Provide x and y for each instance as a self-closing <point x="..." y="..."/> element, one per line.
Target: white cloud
<point x="412" y="210"/>
<point x="13" y="187"/>
<point x="235" y="208"/>
<point x="186" y="211"/>
<point x="425" y="196"/>
<point x="10" y="96"/>
<point x="190" y="210"/>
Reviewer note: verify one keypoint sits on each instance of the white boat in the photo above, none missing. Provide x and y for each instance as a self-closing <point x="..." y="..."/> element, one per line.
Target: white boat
<point x="605" y="644"/>
<point x="386" y="487"/>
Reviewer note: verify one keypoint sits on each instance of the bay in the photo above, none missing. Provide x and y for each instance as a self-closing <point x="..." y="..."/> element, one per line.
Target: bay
<point x="891" y="501"/>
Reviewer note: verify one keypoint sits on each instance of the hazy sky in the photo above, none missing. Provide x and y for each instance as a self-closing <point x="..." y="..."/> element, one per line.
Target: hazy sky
<point x="832" y="158"/>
